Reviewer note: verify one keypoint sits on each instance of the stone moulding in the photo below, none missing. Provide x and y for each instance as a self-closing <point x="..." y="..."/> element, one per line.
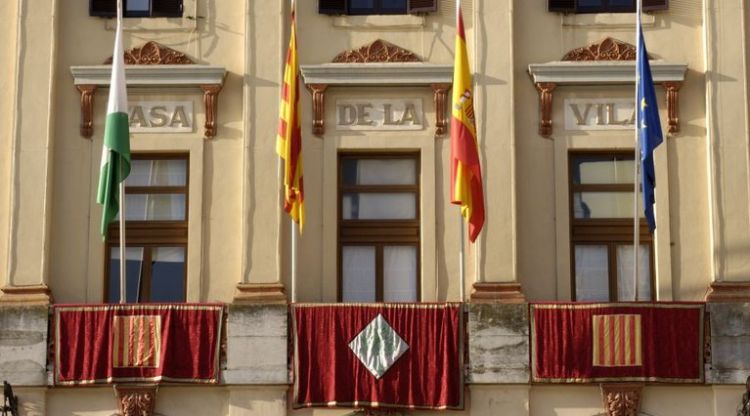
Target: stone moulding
<point x="377" y="51"/>
<point x="318" y="78"/>
<point x="548" y="76"/>
<point x="208" y="79"/>
<point x="153" y="53"/>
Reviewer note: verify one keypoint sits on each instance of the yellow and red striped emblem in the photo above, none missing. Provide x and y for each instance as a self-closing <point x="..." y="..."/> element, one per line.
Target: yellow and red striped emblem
<point x="617" y="340"/>
<point x="136" y="341"/>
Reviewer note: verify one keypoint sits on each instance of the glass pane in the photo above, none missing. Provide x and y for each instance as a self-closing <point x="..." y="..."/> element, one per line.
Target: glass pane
<point x="605" y="205"/>
<point x="621" y="3"/>
<point x="590" y="3"/>
<point x="168" y="274"/>
<point x="379" y="206"/>
<point x="138" y="5"/>
<point x="400" y="274"/>
<point x="379" y="172"/>
<point x="592" y="273"/>
<point x="360" y="5"/>
<point x="171" y="172"/>
<point x="358" y="274"/>
<point x="133" y="271"/>
<point x="603" y="169"/>
<point x="625" y="259"/>
<point x="154" y="207"/>
<point x="393" y="5"/>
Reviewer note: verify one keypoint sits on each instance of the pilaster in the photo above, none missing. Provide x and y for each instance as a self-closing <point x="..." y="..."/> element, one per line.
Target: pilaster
<point x="31" y="152"/>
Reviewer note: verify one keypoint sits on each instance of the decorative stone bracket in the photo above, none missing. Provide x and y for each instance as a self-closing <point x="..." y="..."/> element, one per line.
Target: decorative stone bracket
<point x="609" y="62"/>
<point x="622" y="399"/>
<point x="151" y="66"/>
<point x="378" y="64"/>
<point x="135" y="400"/>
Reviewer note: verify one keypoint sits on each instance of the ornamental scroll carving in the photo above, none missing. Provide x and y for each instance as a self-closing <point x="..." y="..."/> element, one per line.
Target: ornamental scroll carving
<point x="136" y="401"/>
<point x="609" y="49"/>
<point x="154" y="53"/>
<point x="378" y="51"/>
<point x="622" y="399"/>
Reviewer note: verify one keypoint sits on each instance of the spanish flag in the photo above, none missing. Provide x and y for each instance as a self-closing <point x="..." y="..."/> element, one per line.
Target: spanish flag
<point x="289" y="139"/>
<point x="466" y="173"/>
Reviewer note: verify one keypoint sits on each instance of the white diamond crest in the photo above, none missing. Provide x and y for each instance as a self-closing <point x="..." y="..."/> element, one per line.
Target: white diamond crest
<point x="378" y="346"/>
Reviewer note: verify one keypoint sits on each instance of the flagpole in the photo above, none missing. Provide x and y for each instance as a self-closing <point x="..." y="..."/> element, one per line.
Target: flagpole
<point x="291" y="220"/>
<point x="461" y="260"/>
<point x="123" y="258"/>
<point x="636" y="173"/>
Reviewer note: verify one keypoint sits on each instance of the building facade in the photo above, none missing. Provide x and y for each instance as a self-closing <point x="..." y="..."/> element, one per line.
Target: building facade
<point x="553" y="101"/>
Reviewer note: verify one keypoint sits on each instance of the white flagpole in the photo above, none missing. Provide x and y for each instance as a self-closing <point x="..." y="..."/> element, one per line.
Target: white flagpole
<point x="293" y="228"/>
<point x="123" y="258"/>
<point x="461" y="260"/>
<point x="636" y="174"/>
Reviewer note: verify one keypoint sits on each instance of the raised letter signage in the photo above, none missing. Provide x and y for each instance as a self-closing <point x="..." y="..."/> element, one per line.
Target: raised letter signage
<point x="599" y="114"/>
<point x="386" y="114"/>
<point x="161" y="116"/>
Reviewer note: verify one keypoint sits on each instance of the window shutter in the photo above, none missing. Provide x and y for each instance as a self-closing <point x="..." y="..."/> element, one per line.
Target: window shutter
<point x="104" y="8"/>
<point x="421" y="6"/>
<point x="566" y="6"/>
<point x="166" y="8"/>
<point x="332" y="6"/>
<point x="655" y="5"/>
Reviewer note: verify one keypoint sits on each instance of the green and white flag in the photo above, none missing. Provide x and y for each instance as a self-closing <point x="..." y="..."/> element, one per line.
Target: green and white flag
<point x="116" y="150"/>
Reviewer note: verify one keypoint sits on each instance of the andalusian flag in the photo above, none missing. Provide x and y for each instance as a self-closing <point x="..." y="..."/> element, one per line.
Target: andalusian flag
<point x="289" y="139"/>
<point x="466" y="173"/>
<point x="116" y="150"/>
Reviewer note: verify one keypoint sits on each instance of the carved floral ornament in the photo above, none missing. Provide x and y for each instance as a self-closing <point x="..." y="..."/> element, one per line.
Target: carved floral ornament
<point x="378" y="51"/>
<point x="153" y="53"/>
<point x="136" y="400"/>
<point x="608" y="49"/>
<point x="622" y="399"/>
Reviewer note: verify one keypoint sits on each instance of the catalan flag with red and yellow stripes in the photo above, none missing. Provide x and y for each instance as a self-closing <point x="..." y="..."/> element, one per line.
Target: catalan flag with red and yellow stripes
<point x="289" y="139"/>
<point x="466" y="172"/>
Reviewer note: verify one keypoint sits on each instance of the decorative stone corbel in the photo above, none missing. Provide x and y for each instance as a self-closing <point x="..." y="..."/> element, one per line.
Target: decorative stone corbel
<point x="545" y="107"/>
<point x="672" y="89"/>
<point x="136" y="400"/>
<point x="497" y="292"/>
<point x="210" y="93"/>
<point x="622" y="399"/>
<point x="441" y="96"/>
<point x="318" y="104"/>
<point x="87" y="109"/>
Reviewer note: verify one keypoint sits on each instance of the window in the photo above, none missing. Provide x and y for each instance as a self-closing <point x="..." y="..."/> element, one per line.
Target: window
<point x="354" y="7"/>
<point x="378" y="244"/>
<point x="604" y="6"/>
<point x="156" y="214"/>
<point x="601" y="209"/>
<point x="136" y="8"/>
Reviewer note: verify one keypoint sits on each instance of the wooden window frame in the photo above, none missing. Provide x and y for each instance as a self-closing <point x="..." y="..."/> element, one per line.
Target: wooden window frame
<point x="151" y="234"/>
<point x="609" y="232"/>
<point x="378" y="233"/>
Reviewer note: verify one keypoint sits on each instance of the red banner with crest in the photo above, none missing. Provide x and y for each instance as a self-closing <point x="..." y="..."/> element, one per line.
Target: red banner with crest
<point x="605" y="342"/>
<point x="378" y="355"/>
<point x="137" y="343"/>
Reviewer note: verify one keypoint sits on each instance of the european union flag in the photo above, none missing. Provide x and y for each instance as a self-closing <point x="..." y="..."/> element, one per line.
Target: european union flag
<point x="649" y="129"/>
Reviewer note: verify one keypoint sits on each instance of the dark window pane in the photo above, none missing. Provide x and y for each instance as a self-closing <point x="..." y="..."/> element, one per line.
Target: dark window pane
<point x="133" y="271"/>
<point x="168" y="274"/>
<point x="393" y="5"/>
<point x="590" y="3"/>
<point x="622" y="3"/>
<point x="138" y="5"/>
<point x="361" y="5"/>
